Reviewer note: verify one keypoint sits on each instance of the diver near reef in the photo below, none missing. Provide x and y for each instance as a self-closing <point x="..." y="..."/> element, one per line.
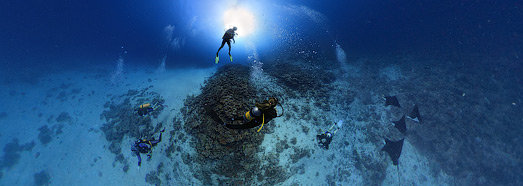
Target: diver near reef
<point x="144" y="109"/>
<point x="229" y="34"/>
<point x="260" y="114"/>
<point x="325" y="138"/>
<point x="145" y="146"/>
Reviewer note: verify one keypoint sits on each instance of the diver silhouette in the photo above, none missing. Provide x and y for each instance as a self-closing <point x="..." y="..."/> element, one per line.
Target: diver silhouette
<point x="229" y="34"/>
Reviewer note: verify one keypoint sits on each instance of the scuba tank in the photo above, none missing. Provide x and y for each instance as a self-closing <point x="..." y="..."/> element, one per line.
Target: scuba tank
<point x="251" y="114"/>
<point x="147" y="105"/>
<point x="259" y="108"/>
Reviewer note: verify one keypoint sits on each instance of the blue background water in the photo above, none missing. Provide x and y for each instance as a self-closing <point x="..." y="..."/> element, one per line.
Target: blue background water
<point x="48" y="32"/>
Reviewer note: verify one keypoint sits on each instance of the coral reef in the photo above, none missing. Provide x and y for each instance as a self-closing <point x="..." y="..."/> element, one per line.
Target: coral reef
<point x="122" y="120"/>
<point x="12" y="153"/>
<point x="45" y="135"/>
<point x="301" y="79"/>
<point x="63" y="117"/>
<point x="42" y="178"/>
<point x="153" y="176"/>
<point x="222" y="151"/>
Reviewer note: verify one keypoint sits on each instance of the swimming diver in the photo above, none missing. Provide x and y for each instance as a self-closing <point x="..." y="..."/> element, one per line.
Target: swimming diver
<point x="260" y="114"/>
<point x="324" y="139"/>
<point x="145" y="146"/>
<point x="229" y="34"/>
<point x="144" y="109"/>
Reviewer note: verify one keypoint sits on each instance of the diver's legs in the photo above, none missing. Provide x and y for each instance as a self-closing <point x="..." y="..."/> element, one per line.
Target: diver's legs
<point x="229" y="43"/>
<point x="139" y="158"/>
<point x="154" y="142"/>
<point x="223" y="43"/>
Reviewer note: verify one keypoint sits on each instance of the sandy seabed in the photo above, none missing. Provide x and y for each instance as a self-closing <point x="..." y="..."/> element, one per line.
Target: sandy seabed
<point x="56" y="122"/>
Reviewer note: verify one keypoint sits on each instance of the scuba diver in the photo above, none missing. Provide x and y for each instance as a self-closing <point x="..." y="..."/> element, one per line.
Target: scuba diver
<point x="324" y="139"/>
<point x="145" y="146"/>
<point x="229" y="34"/>
<point x="259" y="115"/>
<point x="144" y="109"/>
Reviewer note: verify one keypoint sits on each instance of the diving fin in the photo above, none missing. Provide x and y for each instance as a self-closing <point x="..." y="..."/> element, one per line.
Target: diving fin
<point x="213" y="114"/>
<point x="230" y="57"/>
<point x="217" y="59"/>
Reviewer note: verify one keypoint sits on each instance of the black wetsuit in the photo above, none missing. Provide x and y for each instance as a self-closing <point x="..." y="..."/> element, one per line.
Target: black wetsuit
<point x="269" y="114"/>
<point x="144" y="146"/>
<point x="229" y="34"/>
<point x="324" y="139"/>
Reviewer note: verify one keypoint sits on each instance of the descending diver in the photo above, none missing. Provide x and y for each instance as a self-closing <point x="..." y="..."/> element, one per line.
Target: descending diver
<point x="144" y="109"/>
<point x="229" y="34"/>
<point x="145" y="146"/>
<point x="324" y="139"/>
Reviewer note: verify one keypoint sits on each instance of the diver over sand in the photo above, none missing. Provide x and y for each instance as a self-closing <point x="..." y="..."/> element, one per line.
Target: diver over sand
<point x="229" y="34"/>
<point x="145" y="146"/>
<point x="144" y="109"/>
<point x="325" y="138"/>
<point x="259" y="115"/>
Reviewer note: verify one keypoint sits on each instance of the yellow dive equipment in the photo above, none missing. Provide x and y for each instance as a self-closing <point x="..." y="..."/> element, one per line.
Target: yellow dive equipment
<point x="248" y="115"/>
<point x="149" y="142"/>
<point x="263" y="122"/>
<point x="147" y="105"/>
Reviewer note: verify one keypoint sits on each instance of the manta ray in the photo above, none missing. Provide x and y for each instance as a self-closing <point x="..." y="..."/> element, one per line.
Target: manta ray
<point x="400" y="125"/>
<point x="393" y="148"/>
<point x="414" y="114"/>
<point x="392" y="100"/>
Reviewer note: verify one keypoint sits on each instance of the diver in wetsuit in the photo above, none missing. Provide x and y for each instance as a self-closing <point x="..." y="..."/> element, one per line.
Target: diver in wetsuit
<point x="229" y="34"/>
<point x="325" y="138"/>
<point x="145" y="146"/>
<point x="258" y="115"/>
<point x="146" y="108"/>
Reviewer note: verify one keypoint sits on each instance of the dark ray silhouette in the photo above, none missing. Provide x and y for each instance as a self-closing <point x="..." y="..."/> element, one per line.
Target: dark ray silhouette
<point x="392" y="100"/>
<point x="400" y="125"/>
<point x="414" y="115"/>
<point x="393" y="148"/>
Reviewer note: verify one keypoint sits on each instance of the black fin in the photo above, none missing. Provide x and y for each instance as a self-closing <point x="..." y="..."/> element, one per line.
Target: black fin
<point x="212" y="114"/>
<point x="400" y="125"/>
<point x="392" y="100"/>
<point x="414" y="115"/>
<point x="393" y="148"/>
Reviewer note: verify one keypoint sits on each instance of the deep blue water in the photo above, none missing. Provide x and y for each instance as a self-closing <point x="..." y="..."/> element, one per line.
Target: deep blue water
<point x="60" y="31"/>
<point x="480" y="42"/>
